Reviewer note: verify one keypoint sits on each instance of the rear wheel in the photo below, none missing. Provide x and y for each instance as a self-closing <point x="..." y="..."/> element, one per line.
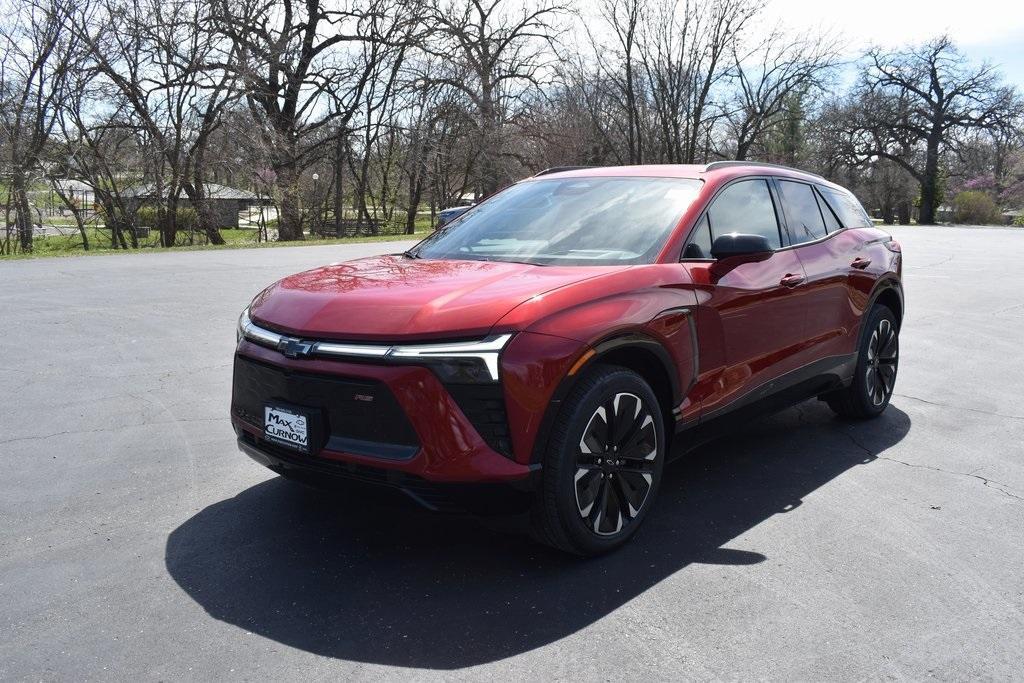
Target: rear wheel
<point x="603" y="465"/>
<point x="875" y="376"/>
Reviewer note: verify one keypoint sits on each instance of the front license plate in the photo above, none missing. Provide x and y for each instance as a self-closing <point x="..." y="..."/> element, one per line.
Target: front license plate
<point x="286" y="427"/>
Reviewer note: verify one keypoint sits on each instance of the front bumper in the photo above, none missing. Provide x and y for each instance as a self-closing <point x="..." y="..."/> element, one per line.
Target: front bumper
<point x="491" y="498"/>
<point x="428" y="437"/>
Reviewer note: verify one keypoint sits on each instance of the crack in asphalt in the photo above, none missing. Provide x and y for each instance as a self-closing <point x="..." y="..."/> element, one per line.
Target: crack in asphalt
<point x="1008" y="309"/>
<point x="931" y="265"/>
<point x="43" y="437"/>
<point x="988" y="483"/>
<point x="856" y="442"/>
<point x="967" y="408"/>
<point x="158" y="372"/>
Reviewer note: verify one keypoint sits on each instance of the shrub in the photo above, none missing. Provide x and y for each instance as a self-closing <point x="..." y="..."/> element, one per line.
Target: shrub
<point x="146" y="216"/>
<point x="117" y="216"/>
<point x="186" y="217"/>
<point x="974" y="206"/>
<point x="1019" y="221"/>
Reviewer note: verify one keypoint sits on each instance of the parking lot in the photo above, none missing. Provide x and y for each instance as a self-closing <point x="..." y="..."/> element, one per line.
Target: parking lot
<point x="137" y="542"/>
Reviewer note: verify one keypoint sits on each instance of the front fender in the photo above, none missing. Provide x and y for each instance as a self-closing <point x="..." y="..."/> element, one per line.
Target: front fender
<point x="541" y="365"/>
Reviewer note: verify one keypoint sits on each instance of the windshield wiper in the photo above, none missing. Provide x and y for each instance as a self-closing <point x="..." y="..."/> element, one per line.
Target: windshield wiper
<point x="409" y="253"/>
<point x="497" y="258"/>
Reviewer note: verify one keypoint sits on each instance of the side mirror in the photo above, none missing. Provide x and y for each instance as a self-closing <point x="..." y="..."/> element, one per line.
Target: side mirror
<point x="738" y="244"/>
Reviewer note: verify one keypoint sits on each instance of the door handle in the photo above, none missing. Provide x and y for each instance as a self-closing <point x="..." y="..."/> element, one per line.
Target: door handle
<point x="860" y="263"/>
<point x="791" y="280"/>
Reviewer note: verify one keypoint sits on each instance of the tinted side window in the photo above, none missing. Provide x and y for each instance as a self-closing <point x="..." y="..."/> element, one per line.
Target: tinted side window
<point x="831" y="222"/>
<point x="745" y="207"/>
<point x="802" y="213"/>
<point x="847" y="208"/>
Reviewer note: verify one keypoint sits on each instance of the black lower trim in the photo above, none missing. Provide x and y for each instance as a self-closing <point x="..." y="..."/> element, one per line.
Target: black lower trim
<point x="489" y="499"/>
<point x="373" y="449"/>
<point x="826" y="371"/>
<point x="794" y="387"/>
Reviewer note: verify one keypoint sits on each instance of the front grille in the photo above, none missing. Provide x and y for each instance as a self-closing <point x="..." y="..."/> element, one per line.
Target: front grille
<point x="484" y="407"/>
<point x="357" y="416"/>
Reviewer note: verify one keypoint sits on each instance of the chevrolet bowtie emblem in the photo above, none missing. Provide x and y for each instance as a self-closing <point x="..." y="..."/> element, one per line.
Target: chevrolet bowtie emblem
<point x="294" y="348"/>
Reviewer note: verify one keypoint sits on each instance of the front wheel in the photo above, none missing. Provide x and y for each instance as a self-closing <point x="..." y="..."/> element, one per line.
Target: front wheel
<point x="877" y="362"/>
<point x="603" y="465"/>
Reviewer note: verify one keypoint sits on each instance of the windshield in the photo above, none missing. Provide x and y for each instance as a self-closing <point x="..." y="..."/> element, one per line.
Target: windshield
<point x="569" y="221"/>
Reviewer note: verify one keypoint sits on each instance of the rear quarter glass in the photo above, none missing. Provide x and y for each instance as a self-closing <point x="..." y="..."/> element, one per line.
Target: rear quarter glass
<point x="846" y="206"/>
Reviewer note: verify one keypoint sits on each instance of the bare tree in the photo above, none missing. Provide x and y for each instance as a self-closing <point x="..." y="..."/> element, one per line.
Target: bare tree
<point x="917" y="99"/>
<point x="501" y="56"/>
<point x="177" y="76"/>
<point x="379" y="125"/>
<point x="658" y="90"/>
<point x="687" y="49"/>
<point x="98" y="144"/>
<point x="304" y="67"/>
<point x="451" y="161"/>
<point x="38" y="54"/>
<point x="421" y="113"/>
<point x="390" y="104"/>
<point x="619" y="67"/>
<point x="767" y="74"/>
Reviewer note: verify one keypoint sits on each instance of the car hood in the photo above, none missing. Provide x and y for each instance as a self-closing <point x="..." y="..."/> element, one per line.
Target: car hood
<point x="388" y="297"/>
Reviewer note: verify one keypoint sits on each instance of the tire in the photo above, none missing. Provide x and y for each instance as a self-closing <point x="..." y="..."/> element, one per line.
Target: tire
<point x="875" y="376"/>
<point x="588" y="503"/>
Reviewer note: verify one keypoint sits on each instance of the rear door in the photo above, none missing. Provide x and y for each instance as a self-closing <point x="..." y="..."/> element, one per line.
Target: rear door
<point x="750" y="320"/>
<point x="829" y="251"/>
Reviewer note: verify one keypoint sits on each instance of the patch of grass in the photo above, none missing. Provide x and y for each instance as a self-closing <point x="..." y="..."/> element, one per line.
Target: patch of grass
<point x="99" y="243"/>
<point x="62" y="221"/>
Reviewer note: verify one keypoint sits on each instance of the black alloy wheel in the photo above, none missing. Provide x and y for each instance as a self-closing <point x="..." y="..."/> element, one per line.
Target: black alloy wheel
<point x="883" y="357"/>
<point x="874" y="378"/>
<point x="603" y="463"/>
<point x="615" y="464"/>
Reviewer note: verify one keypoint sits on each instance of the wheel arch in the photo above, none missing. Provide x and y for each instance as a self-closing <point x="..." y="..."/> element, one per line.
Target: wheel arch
<point x="634" y="351"/>
<point x="889" y="293"/>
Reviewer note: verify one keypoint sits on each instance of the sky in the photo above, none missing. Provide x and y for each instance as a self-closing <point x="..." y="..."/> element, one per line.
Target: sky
<point x="985" y="30"/>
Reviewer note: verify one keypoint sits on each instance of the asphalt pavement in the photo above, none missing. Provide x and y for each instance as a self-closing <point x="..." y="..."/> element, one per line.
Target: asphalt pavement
<point x="137" y="543"/>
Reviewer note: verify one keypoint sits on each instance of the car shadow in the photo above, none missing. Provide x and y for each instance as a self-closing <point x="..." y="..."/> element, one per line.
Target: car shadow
<point x="365" y="582"/>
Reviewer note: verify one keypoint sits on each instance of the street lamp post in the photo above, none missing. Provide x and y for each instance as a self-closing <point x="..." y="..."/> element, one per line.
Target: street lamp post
<point x="316" y="202"/>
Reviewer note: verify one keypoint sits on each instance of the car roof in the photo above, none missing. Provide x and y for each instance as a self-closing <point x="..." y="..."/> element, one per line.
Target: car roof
<point x="717" y="170"/>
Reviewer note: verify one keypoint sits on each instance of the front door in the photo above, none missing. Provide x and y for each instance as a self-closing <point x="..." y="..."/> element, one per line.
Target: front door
<point x="750" y="317"/>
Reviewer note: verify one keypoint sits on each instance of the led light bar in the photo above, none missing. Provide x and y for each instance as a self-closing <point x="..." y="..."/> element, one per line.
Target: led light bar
<point x="485" y="350"/>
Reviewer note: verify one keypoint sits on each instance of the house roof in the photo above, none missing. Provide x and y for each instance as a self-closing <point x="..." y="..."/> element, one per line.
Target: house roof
<point x="213" y="191"/>
<point x="72" y="185"/>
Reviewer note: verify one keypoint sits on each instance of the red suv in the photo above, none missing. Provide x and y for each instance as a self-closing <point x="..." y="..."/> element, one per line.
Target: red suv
<point x="546" y="352"/>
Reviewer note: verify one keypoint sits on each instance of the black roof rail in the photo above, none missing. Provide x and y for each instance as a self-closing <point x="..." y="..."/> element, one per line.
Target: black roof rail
<point x="727" y="164"/>
<point x="559" y="169"/>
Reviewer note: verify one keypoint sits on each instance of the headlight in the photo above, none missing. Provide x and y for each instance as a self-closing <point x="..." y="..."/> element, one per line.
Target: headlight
<point x="243" y="323"/>
<point x="255" y="333"/>
<point x="458" y="362"/>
